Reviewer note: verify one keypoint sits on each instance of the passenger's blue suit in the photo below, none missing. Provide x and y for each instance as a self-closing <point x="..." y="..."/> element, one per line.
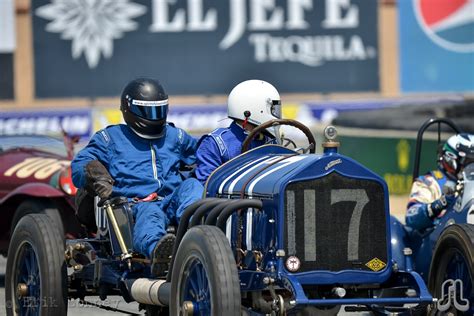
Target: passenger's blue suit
<point x="220" y="146"/>
<point x="425" y="190"/>
<point x="140" y="167"/>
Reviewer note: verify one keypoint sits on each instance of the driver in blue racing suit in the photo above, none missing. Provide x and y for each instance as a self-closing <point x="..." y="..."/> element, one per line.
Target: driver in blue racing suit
<point x="433" y="193"/>
<point x="141" y="161"/>
<point x="250" y="103"/>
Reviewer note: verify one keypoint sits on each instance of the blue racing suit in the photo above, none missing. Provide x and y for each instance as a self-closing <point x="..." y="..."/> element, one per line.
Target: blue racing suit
<point x="141" y="167"/>
<point x="425" y="190"/>
<point x="220" y="146"/>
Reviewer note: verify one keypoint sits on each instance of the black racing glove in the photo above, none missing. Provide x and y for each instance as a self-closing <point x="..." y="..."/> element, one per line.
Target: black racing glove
<point x="103" y="188"/>
<point x="98" y="179"/>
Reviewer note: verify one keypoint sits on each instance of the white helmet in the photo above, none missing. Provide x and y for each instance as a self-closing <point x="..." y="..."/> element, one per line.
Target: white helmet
<point x="256" y="101"/>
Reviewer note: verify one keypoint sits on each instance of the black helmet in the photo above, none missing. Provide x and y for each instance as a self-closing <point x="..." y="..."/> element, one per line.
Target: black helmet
<point x="144" y="105"/>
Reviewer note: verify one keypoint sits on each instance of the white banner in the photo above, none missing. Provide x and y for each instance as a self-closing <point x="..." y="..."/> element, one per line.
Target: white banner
<point x="7" y="26"/>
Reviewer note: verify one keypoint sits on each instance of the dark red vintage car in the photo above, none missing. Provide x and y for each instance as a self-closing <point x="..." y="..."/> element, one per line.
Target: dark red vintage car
<point x="35" y="177"/>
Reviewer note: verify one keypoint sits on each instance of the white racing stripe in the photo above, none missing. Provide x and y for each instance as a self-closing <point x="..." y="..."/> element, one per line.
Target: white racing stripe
<point x="228" y="227"/>
<point x="268" y="161"/>
<point x="221" y="187"/>
<point x="283" y="164"/>
<point x="257" y="162"/>
<point x="249" y="228"/>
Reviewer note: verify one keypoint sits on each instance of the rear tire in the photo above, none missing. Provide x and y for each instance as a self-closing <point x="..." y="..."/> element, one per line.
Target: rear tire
<point x="453" y="258"/>
<point x="36" y="262"/>
<point x="205" y="274"/>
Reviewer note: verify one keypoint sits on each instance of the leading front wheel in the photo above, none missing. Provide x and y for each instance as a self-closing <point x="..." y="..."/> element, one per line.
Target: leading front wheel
<point x="35" y="281"/>
<point x="204" y="279"/>
<point x="453" y="259"/>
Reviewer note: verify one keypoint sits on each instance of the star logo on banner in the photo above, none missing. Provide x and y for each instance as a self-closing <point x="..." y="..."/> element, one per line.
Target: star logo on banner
<point x="91" y="25"/>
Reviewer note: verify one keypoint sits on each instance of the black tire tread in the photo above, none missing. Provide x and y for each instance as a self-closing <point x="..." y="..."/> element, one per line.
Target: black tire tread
<point x="221" y="249"/>
<point x="459" y="236"/>
<point x="213" y="245"/>
<point x="32" y="206"/>
<point x="39" y="230"/>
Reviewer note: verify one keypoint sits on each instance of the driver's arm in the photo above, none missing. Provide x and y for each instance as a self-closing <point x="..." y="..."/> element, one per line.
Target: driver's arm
<point x="97" y="149"/>
<point x="208" y="158"/>
<point x="188" y="146"/>
<point x="425" y="190"/>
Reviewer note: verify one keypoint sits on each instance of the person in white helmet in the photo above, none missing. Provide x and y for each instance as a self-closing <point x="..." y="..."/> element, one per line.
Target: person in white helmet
<point x="250" y="103"/>
<point x="427" y="201"/>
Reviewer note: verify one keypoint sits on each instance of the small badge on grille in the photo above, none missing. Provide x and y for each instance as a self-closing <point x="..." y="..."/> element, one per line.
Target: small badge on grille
<point x="293" y="263"/>
<point x="376" y="264"/>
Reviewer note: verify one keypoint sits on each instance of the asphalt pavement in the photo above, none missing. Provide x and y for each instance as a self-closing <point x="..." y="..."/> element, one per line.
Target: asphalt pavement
<point x="76" y="308"/>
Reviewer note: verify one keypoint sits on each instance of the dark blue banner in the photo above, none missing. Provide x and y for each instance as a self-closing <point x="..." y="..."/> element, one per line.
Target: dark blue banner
<point x="7" y="48"/>
<point x="93" y="48"/>
<point x="436" y="45"/>
<point x="6" y="76"/>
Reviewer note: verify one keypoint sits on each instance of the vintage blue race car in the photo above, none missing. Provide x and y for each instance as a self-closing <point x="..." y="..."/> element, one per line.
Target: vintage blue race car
<point x="280" y="231"/>
<point x="443" y="254"/>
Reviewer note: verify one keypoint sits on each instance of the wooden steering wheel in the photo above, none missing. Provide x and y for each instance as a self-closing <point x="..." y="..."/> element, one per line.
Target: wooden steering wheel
<point x="277" y="122"/>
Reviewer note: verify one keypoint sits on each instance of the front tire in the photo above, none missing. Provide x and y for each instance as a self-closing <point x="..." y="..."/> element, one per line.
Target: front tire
<point x="205" y="275"/>
<point x="38" y="207"/>
<point x="453" y="258"/>
<point x="35" y="282"/>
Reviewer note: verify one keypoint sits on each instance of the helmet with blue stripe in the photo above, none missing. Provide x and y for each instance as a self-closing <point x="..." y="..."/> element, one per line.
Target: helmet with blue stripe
<point x="144" y="106"/>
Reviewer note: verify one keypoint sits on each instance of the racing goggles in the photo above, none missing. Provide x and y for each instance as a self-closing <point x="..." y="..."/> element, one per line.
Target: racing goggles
<point x="275" y="108"/>
<point x="151" y="110"/>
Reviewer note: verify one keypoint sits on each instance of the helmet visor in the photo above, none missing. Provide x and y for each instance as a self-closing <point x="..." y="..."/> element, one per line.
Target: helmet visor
<point x="275" y="108"/>
<point x="151" y="110"/>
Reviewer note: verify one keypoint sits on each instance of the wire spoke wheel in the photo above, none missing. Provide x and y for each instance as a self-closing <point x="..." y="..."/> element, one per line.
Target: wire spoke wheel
<point x="35" y="278"/>
<point x="195" y="288"/>
<point x="28" y="281"/>
<point x="453" y="259"/>
<point x="204" y="277"/>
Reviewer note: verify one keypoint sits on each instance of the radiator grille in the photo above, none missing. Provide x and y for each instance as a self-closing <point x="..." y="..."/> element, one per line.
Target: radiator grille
<point x="335" y="223"/>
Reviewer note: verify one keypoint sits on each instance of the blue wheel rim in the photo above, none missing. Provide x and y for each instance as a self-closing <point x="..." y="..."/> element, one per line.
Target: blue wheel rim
<point x="28" y="273"/>
<point x="195" y="287"/>
<point x="458" y="268"/>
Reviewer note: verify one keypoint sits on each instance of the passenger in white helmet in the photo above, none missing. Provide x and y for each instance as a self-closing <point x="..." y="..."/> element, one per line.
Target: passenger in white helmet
<point x="250" y="103"/>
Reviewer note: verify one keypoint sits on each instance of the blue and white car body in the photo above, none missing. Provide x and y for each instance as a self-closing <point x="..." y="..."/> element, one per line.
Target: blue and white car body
<point x="324" y="225"/>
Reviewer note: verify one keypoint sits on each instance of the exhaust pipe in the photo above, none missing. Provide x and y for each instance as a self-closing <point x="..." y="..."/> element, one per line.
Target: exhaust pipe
<point x="150" y="291"/>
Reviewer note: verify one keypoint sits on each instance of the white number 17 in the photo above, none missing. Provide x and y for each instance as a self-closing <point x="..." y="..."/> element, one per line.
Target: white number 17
<point x="360" y="197"/>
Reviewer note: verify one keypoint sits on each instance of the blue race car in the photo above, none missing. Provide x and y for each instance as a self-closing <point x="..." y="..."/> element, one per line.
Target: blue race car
<point x="281" y="231"/>
<point x="443" y="254"/>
